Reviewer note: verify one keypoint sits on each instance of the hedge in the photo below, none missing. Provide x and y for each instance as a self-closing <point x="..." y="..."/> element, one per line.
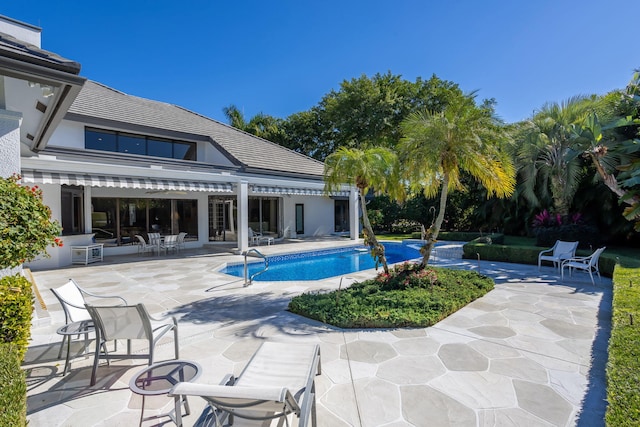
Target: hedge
<point x="16" y="306"/>
<point x="13" y="392"/>
<point x="623" y="366"/>
<point x="529" y="255"/>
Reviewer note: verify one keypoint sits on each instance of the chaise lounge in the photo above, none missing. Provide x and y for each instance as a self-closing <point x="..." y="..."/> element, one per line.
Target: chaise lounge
<point x="277" y="383"/>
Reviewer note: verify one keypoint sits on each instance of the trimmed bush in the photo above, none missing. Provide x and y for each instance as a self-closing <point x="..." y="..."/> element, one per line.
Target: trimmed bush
<point x="587" y="235"/>
<point x="529" y="255"/>
<point x="408" y="297"/>
<point x="13" y="392"/>
<point x="623" y="366"/>
<point x="16" y="306"/>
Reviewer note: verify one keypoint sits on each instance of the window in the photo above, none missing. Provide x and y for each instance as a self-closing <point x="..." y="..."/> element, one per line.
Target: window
<point x="117" y="220"/>
<point x="120" y="142"/>
<point x="72" y="209"/>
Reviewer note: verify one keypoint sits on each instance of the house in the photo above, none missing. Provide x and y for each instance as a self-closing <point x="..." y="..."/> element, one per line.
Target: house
<point x="112" y="166"/>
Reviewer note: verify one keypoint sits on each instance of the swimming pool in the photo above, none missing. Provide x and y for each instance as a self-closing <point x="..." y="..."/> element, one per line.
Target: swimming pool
<point x="322" y="264"/>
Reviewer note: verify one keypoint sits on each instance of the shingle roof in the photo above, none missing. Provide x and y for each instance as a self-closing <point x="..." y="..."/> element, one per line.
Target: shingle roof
<point x="99" y="101"/>
<point x="11" y="47"/>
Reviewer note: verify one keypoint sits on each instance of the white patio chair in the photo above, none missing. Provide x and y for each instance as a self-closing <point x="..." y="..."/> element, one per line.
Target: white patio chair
<point x="169" y="243"/>
<point x="127" y="322"/>
<point x="72" y="298"/>
<point x="254" y="238"/>
<point x="560" y="251"/>
<point x="143" y="246"/>
<point x="277" y="383"/>
<point x="180" y="242"/>
<point x="587" y="263"/>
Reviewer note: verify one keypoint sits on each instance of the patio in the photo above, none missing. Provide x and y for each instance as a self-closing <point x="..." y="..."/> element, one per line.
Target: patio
<point x="531" y="352"/>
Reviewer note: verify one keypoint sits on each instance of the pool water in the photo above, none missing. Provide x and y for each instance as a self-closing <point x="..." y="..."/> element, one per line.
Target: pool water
<point x="322" y="264"/>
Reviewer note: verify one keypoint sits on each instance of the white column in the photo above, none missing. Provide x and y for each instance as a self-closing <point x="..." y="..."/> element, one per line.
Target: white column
<point x="10" y="122"/>
<point x="243" y="216"/>
<point x="88" y="221"/>
<point x="354" y="213"/>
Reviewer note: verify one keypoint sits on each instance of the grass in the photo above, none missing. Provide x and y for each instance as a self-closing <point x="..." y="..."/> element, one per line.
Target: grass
<point x="623" y="367"/>
<point x="408" y="297"/>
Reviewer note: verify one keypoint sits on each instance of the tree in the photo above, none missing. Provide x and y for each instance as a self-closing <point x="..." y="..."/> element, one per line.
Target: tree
<point x="369" y="169"/>
<point x="549" y="166"/>
<point x="261" y="125"/>
<point x="437" y="146"/>
<point x="613" y="148"/>
<point x="364" y="112"/>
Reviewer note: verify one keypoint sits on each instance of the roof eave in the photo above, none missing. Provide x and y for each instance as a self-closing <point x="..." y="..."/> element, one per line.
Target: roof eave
<point x="66" y="88"/>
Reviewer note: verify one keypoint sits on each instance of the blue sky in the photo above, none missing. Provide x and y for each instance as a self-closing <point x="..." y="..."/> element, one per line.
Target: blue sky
<point x="281" y="57"/>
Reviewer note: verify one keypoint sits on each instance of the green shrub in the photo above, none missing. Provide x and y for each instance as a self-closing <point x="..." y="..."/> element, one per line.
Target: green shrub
<point x="16" y="306"/>
<point x="13" y="392"/>
<point x="623" y="366"/>
<point x="389" y="301"/>
<point x="26" y="228"/>
<point x="529" y="255"/>
<point x="586" y="234"/>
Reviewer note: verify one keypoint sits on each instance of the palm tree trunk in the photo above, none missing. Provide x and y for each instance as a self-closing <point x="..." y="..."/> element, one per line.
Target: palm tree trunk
<point x="434" y="230"/>
<point x="377" y="250"/>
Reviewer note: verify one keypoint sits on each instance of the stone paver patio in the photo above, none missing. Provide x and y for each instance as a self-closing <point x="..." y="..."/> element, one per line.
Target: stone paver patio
<point x="532" y="352"/>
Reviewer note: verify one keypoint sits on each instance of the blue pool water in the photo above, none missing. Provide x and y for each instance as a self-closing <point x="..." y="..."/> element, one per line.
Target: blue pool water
<point x="322" y="264"/>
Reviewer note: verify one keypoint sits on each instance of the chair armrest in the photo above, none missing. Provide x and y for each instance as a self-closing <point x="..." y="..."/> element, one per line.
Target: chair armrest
<point x="162" y="319"/>
<point x="545" y="251"/>
<point x="276" y="394"/>
<point x="91" y="294"/>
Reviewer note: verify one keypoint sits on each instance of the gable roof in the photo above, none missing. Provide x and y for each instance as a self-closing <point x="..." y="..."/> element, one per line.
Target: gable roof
<point x="254" y="154"/>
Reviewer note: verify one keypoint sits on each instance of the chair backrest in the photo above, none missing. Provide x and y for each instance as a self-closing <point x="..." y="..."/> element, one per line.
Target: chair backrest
<point x="251" y="233"/>
<point x="565" y="248"/>
<point x="595" y="256"/>
<point x="72" y="302"/>
<point x="181" y="237"/>
<point x="122" y="321"/>
<point x="153" y="238"/>
<point x="141" y="240"/>
<point x="171" y="239"/>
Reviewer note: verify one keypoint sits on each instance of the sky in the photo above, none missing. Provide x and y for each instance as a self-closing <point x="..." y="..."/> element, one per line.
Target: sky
<point x="282" y="57"/>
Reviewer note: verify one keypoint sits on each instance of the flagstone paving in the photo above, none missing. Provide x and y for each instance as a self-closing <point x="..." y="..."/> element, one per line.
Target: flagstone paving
<point x="532" y="352"/>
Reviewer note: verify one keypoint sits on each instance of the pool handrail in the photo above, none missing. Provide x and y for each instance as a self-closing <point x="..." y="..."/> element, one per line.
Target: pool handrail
<point x="246" y="268"/>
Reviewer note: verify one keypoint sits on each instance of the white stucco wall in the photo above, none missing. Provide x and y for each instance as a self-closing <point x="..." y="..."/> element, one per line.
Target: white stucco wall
<point x="319" y="215"/>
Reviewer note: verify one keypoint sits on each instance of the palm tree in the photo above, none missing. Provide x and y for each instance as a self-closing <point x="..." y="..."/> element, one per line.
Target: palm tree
<point x="437" y="146"/>
<point x="549" y="166"/>
<point x="368" y="169"/>
<point x="235" y="117"/>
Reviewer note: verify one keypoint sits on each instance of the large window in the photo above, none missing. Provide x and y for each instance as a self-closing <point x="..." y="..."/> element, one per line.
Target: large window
<point x="120" y="142"/>
<point x="264" y="214"/>
<point x="117" y="220"/>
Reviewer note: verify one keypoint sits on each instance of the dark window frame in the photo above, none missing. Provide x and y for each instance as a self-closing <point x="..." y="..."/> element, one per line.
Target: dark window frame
<point x="191" y="150"/>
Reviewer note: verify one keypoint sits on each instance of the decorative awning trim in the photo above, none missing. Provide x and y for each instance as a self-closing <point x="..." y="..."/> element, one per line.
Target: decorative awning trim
<point x="295" y="191"/>
<point x="33" y="177"/>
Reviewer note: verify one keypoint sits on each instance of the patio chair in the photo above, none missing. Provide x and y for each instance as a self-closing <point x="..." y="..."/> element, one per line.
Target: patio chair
<point x="277" y="383"/>
<point x="587" y="263"/>
<point x="560" y="251"/>
<point x="127" y="322"/>
<point x="180" y="243"/>
<point x="143" y="246"/>
<point x="72" y="299"/>
<point x="169" y="243"/>
<point x="254" y="238"/>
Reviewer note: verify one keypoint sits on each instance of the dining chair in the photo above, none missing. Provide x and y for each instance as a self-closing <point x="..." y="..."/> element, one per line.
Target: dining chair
<point x="129" y="322"/>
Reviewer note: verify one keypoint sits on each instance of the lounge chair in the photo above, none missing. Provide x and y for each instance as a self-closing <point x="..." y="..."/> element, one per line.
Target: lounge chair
<point x="277" y="383"/>
<point x="560" y="251"/>
<point x="588" y="263"/>
<point x="180" y="243"/>
<point x="127" y="322"/>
